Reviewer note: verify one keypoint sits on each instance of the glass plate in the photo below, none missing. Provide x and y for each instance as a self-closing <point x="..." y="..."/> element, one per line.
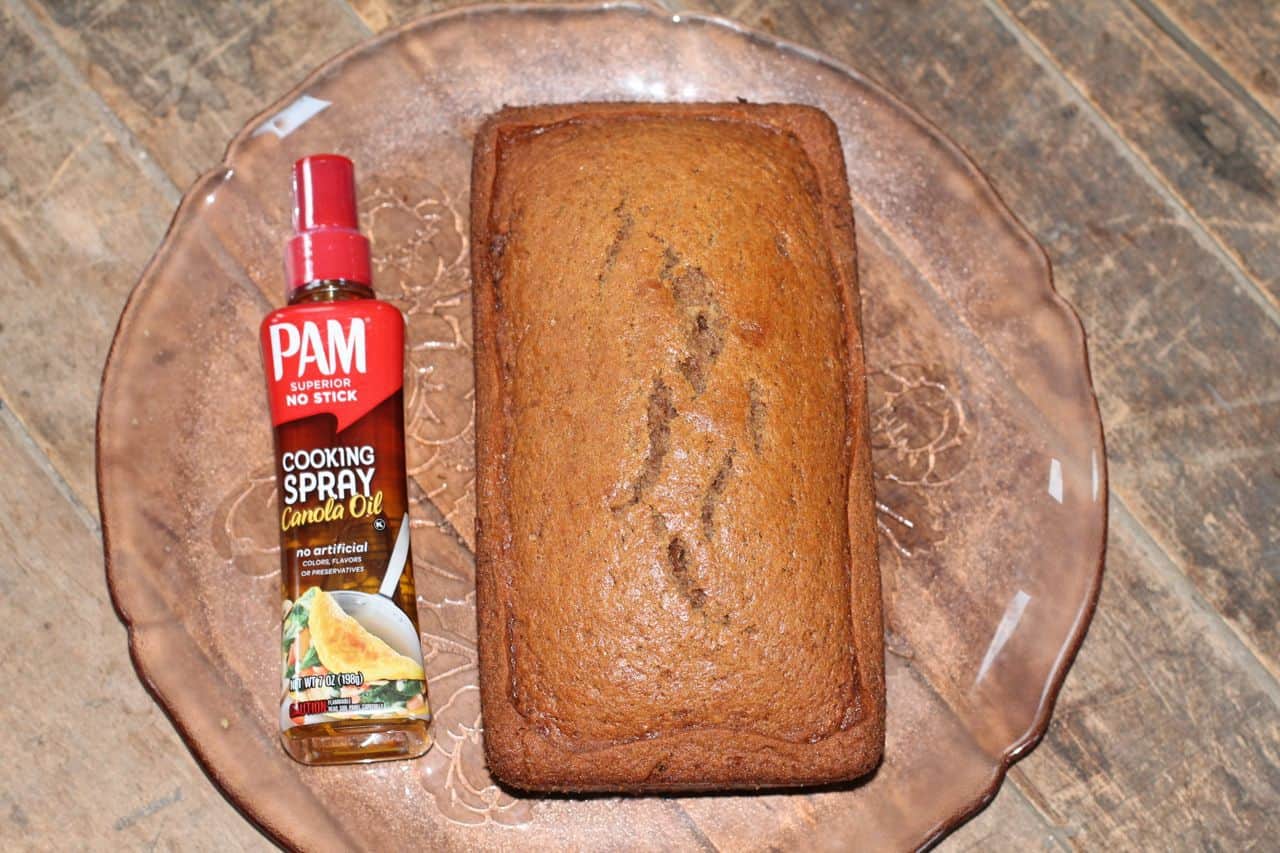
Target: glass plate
<point x="988" y="446"/>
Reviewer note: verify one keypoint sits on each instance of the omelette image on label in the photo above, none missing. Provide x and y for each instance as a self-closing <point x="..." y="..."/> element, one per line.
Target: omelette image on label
<point x="344" y="645"/>
<point x="337" y="668"/>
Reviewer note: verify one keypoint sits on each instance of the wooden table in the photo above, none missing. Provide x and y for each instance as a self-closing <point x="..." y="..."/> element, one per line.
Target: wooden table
<point x="1139" y="140"/>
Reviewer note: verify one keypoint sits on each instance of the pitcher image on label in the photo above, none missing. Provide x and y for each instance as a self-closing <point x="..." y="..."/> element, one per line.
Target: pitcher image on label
<point x="353" y="687"/>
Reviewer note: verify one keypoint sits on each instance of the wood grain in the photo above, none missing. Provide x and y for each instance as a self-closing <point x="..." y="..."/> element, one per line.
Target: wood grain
<point x="1217" y="156"/>
<point x="78" y="218"/>
<point x="184" y="77"/>
<point x="1242" y="38"/>
<point x="100" y="765"/>
<point x="1166" y="735"/>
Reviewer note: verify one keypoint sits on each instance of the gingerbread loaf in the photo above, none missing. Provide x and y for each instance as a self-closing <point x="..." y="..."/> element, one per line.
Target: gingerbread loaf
<point x="677" y="583"/>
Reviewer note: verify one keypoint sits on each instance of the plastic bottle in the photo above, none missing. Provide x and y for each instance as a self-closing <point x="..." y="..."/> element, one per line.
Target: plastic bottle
<point x="353" y="689"/>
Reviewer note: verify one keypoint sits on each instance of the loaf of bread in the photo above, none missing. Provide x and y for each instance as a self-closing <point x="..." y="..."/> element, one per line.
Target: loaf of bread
<point x="677" y="582"/>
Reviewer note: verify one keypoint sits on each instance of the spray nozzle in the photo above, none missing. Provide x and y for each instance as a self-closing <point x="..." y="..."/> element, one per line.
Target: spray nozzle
<point x="327" y="243"/>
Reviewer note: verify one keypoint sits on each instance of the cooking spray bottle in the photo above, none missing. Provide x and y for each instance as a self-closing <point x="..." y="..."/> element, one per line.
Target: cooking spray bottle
<point x="353" y="689"/>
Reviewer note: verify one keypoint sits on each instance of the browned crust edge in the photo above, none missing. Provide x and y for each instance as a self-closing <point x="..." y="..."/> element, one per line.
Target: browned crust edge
<point x="519" y="754"/>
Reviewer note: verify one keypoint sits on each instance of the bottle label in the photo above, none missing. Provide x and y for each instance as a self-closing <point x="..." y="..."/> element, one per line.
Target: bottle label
<point x="335" y="357"/>
<point x="349" y="635"/>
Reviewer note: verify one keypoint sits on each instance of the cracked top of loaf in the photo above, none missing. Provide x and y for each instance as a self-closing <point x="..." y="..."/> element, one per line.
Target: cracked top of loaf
<point x="678" y="584"/>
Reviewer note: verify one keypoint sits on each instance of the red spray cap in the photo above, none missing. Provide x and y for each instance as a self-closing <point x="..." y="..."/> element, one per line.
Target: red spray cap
<point x="327" y="243"/>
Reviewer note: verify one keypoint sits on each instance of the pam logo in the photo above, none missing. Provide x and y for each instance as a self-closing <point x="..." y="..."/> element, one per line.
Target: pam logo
<point x="332" y="350"/>
<point x="341" y="359"/>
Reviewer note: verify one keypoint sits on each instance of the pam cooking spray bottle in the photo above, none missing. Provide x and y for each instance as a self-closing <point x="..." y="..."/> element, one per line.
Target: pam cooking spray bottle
<point x="353" y="688"/>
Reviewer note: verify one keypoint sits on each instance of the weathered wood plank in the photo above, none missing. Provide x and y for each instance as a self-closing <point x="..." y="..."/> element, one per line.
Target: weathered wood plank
<point x="1167" y="732"/>
<point x="98" y="764"/>
<point x="1241" y="38"/>
<point x="185" y="77"/>
<point x="78" y="218"/>
<point x="1219" y="157"/>
<point x="1191" y="414"/>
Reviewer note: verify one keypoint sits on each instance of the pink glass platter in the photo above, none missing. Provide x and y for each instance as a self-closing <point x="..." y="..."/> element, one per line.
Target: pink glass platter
<point x="990" y="467"/>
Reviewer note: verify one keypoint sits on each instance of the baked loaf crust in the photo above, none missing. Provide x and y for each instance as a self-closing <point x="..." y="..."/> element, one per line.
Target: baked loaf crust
<point x="677" y="583"/>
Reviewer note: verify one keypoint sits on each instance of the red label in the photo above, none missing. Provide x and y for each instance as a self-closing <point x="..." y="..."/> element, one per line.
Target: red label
<point x="337" y="358"/>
